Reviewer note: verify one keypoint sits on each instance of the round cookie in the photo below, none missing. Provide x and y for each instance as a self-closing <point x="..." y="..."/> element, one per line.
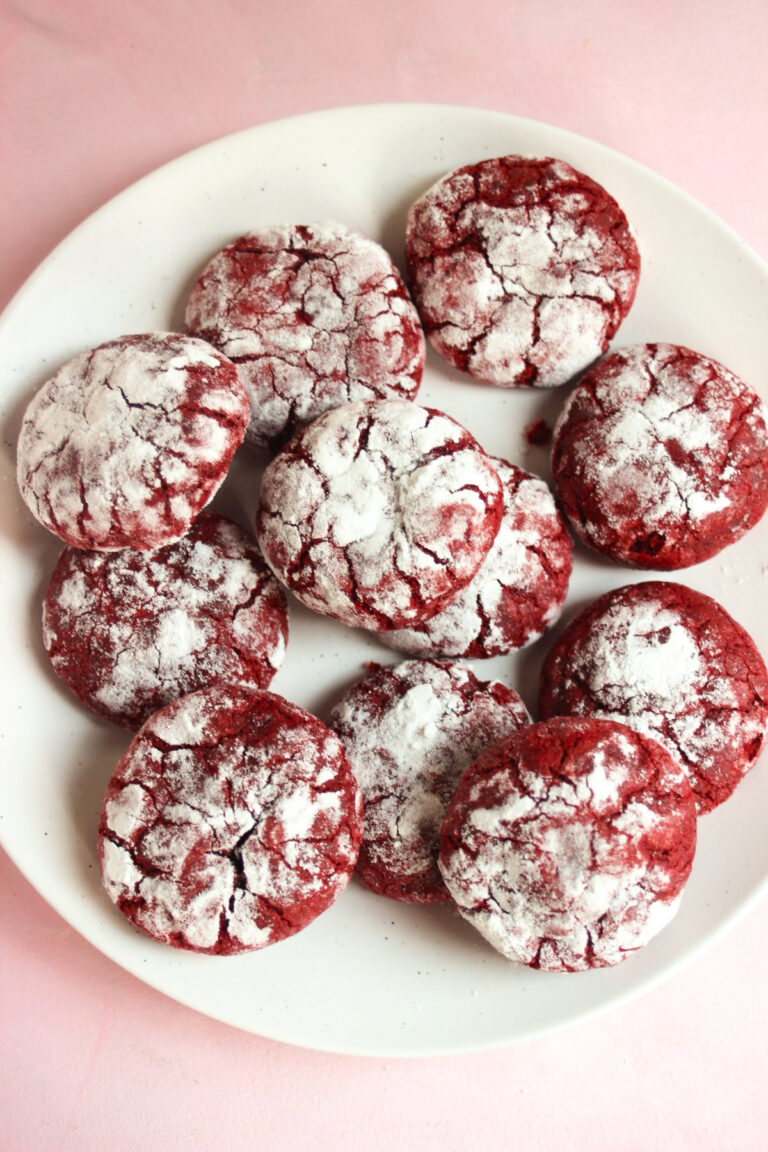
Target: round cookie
<point x="314" y="315"/>
<point x="660" y="457"/>
<point x="130" y="631"/>
<point x="409" y="732"/>
<point x="379" y="513"/>
<point x="126" y="443"/>
<point x="231" y="822"/>
<point x="671" y="663"/>
<point x="522" y="269"/>
<point x="568" y="845"/>
<point x="519" y="589"/>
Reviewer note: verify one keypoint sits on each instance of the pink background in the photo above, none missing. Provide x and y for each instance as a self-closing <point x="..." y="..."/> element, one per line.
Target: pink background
<point x="94" y="95"/>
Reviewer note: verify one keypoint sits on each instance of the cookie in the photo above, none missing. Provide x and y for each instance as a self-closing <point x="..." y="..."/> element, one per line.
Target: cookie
<point x="660" y="457"/>
<point x="409" y="732"/>
<point x="126" y="443"/>
<point x="522" y="269"/>
<point x="519" y="589"/>
<point x="671" y="663"/>
<point x="130" y="631"/>
<point x="379" y="513"/>
<point x="314" y="315"/>
<point x="230" y="823"/>
<point x="567" y="846"/>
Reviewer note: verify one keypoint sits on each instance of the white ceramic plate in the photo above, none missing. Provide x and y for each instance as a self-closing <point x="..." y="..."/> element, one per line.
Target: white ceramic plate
<point x="370" y="976"/>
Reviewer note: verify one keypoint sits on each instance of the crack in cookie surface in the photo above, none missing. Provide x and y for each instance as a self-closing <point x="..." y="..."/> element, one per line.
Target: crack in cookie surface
<point x="126" y="443"/>
<point x="518" y="591"/>
<point x="379" y="513"/>
<point x="522" y="269"/>
<point x="314" y="316"/>
<point x="660" y="457"/>
<point x="671" y="663"/>
<point x="409" y="732"/>
<point x="568" y="845"/>
<point x="130" y="631"/>
<point x="231" y="822"/>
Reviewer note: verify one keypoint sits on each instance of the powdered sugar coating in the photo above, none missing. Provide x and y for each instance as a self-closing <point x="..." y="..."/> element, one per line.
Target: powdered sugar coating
<point x="231" y="822"/>
<point x="671" y="663"/>
<point x="126" y="443"/>
<point x="522" y="269"/>
<point x="379" y="513"/>
<point x="518" y="591"/>
<point x="314" y="316"/>
<point x="568" y="845"/>
<point x="409" y="732"/>
<point x="130" y="631"/>
<point x="660" y="457"/>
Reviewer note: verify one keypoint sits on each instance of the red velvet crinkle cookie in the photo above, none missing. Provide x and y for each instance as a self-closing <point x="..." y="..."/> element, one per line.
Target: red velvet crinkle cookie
<point x="522" y="269"/>
<point x="674" y="665"/>
<point x="660" y="457"/>
<point x="378" y="513"/>
<point x="314" y="315"/>
<point x="409" y="732"/>
<point x="130" y="631"/>
<point x="568" y="845"/>
<point x="231" y="822"/>
<point x="518" y="591"/>
<point x="126" y="443"/>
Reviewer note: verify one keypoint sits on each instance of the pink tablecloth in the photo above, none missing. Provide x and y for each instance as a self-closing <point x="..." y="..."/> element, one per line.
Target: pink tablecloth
<point x="93" y="96"/>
